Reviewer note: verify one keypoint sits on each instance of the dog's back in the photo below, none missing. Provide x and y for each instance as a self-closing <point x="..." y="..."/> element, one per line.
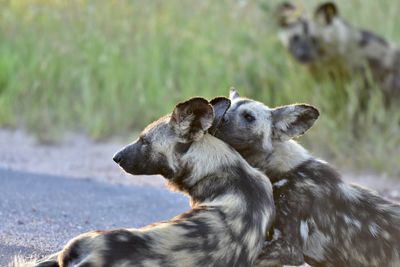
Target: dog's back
<point x="340" y="224"/>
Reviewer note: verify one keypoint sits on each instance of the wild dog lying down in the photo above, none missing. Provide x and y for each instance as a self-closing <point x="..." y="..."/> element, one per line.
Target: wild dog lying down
<point x="324" y="41"/>
<point x="232" y="202"/>
<point x="333" y="223"/>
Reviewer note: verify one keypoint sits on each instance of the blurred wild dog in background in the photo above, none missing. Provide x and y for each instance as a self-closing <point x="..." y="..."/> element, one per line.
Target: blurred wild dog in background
<point x="326" y="43"/>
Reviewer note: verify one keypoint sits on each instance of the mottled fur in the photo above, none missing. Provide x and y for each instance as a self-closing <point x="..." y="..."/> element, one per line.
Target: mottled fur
<point x="325" y="41"/>
<point x="232" y="203"/>
<point x="331" y="222"/>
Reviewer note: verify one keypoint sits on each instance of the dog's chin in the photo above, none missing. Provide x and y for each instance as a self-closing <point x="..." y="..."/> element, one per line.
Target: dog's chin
<point x="305" y="60"/>
<point x="132" y="172"/>
<point x="164" y="171"/>
<point x="129" y="169"/>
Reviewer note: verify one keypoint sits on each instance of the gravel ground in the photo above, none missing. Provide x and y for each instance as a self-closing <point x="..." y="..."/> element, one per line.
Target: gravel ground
<point x="39" y="213"/>
<point x="50" y="193"/>
<point x="75" y="157"/>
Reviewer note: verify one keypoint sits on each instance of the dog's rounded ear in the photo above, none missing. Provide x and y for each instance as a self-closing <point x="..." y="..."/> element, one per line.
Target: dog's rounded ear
<point x="285" y="14"/>
<point x="191" y="119"/>
<point x="326" y="12"/>
<point x="292" y="121"/>
<point x="233" y="93"/>
<point x="220" y="105"/>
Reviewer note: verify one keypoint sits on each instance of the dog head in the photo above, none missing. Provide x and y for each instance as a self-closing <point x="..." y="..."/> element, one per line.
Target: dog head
<point x="162" y="144"/>
<point x="313" y="37"/>
<point x="252" y="128"/>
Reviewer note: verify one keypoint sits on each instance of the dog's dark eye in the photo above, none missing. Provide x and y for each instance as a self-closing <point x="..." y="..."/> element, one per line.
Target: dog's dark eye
<point x="248" y="117"/>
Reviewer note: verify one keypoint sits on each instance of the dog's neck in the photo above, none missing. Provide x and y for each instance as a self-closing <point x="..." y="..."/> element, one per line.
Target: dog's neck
<point x="284" y="157"/>
<point x="205" y="158"/>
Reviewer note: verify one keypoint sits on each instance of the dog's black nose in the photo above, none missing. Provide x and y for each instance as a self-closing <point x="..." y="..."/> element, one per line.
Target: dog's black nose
<point x="117" y="157"/>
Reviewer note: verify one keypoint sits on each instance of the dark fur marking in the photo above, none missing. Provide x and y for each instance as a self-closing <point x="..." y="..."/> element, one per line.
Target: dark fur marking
<point x="305" y="27"/>
<point x="221" y="106"/>
<point x="178" y="181"/>
<point x="48" y="264"/>
<point x="294" y="200"/>
<point x="367" y="37"/>
<point x="328" y="11"/>
<point x="182" y="148"/>
<point x="239" y="103"/>
<point x="125" y="245"/>
<point x="196" y="229"/>
<point x="87" y="265"/>
<point x="71" y="253"/>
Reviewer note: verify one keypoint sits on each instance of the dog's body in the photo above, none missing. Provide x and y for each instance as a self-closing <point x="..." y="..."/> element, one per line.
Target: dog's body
<point x="332" y="223"/>
<point x="229" y="219"/>
<point x="327" y="42"/>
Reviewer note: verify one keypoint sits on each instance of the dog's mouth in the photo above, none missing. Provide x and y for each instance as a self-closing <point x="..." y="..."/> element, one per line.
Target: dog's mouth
<point x="305" y="60"/>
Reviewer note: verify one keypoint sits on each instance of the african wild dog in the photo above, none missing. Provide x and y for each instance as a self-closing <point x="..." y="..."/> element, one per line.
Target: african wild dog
<point x="326" y="42"/>
<point x="229" y="217"/>
<point x="333" y="223"/>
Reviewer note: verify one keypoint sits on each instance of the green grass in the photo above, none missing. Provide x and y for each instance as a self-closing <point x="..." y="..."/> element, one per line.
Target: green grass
<point x="110" y="67"/>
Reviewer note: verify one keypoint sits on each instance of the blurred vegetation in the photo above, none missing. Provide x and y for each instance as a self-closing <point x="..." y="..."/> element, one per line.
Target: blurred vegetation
<point x="111" y="66"/>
